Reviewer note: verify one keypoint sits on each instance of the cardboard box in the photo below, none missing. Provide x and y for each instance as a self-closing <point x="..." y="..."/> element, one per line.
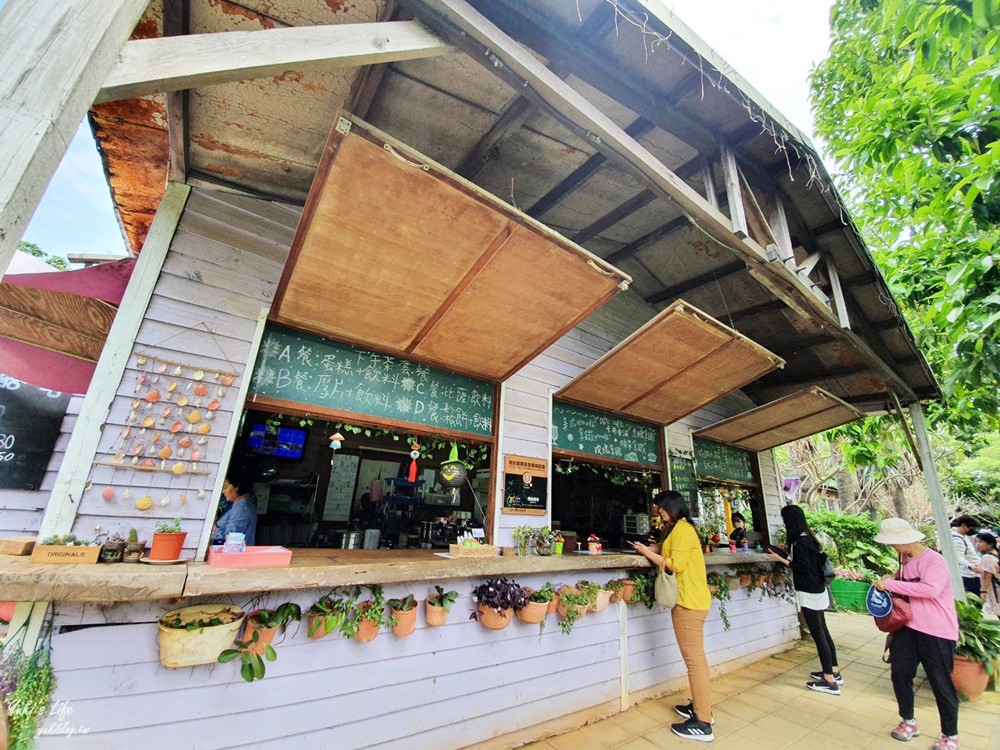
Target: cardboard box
<point x="252" y="557"/>
<point x="58" y="554"/>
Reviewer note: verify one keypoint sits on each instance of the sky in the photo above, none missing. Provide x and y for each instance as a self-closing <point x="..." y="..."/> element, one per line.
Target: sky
<point x="772" y="43"/>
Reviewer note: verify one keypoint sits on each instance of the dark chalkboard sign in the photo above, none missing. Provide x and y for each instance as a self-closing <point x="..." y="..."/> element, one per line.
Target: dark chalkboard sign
<point x="684" y="480"/>
<point x="587" y="431"/>
<point x="720" y="461"/>
<point x="308" y="369"/>
<point x="30" y="418"/>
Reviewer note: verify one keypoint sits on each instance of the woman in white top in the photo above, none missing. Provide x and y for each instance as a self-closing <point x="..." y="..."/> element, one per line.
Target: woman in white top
<point x="988" y="568"/>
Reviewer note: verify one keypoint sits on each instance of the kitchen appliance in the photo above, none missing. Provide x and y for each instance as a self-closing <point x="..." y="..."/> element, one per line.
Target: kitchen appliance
<point x="636" y="524"/>
<point x="347" y="539"/>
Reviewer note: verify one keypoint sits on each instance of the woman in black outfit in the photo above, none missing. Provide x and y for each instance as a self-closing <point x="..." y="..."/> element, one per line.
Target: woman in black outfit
<point x="806" y="559"/>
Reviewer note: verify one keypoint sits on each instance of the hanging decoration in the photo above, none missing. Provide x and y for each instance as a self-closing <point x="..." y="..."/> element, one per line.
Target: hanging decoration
<point x="453" y="472"/>
<point x="414" y="455"/>
<point x="336" y="440"/>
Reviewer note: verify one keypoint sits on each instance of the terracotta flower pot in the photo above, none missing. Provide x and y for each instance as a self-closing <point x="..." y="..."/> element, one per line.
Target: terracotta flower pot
<point x="744" y="579"/>
<point x="553" y="603"/>
<point x="626" y="592"/>
<point x="601" y="601"/>
<point x="435" y="615"/>
<point x="367" y="630"/>
<point x="492" y="620"/>
<point x="969" y="677"/>
<point x="562" y="608"/>
<point x="167" y="546"/>
<point x="406" y="621"/>
<point x="317" y="626"/>
<point x="533" y="612"/>
<point x="265" y="636"/>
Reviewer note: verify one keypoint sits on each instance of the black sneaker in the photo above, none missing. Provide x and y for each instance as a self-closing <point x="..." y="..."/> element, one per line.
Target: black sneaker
<point x="687" y="712"/>
<point x="822" y="686"/>
<point x="836" y="676"/>
<point x="692" y="729"/>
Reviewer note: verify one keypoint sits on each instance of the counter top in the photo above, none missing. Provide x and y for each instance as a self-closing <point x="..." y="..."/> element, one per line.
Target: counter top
<point x="311" y="568"/>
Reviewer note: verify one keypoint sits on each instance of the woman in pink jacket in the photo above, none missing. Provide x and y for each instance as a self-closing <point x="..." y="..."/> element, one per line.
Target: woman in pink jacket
<point x="930" y="635"/>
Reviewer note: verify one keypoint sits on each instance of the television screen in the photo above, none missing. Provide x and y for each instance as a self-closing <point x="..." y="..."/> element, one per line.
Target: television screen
<point x="284" y="442"/>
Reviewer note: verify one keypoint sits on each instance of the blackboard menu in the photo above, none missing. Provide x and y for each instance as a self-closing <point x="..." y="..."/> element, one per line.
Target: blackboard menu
<point x="30" y="418"/>
<point x="720" y="461"/>
<point x="684" y="480"/>
<point x="525" y="485"/>
<point x="575" y="428"/>
<point x="308" y="369"/>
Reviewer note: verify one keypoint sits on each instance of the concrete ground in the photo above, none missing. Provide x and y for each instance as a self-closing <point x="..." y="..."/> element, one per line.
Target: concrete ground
<point x="767" y="705"/>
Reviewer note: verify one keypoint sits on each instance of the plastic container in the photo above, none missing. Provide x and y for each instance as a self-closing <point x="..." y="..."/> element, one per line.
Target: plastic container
<point x="252" y="557"/>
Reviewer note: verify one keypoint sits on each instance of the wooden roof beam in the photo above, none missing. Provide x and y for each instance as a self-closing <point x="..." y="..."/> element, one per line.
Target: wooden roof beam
<point x="798" y="345"/>
<point x="801" y="380"/>
<point x="152" y="66"/>
<point x="469" y="30"/>
<point x="177" y="22"/>
<point x="367" y="82"/>
<point x="697" y="282"/>
<point x="662" y="231"/>
<point x="615" y="215"/>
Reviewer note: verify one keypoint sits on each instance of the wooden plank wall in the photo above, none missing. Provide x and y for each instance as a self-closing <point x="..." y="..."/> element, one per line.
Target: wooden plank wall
<point x="21" y="510"/>
<point x="222" y="267"/>
<point x="440" y="687"/>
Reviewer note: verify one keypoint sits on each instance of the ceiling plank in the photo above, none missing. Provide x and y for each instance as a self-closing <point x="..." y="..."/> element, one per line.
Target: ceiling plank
<point x="615" y="215"/>
<point x="152" y="66"/>
<point x="697" y="282"/>
<point x="664" y="230"/>
<point x="506" y="125"/>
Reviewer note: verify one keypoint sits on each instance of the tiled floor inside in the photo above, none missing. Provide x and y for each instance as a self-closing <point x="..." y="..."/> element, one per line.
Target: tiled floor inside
<point x="767" y="705"/>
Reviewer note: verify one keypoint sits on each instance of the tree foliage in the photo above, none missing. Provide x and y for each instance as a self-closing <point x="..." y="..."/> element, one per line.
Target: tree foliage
<point x="53" y="260"/>
<point x="909" y="103"/>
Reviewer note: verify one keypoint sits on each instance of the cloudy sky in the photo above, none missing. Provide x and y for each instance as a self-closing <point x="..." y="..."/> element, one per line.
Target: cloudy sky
<point x="772" y="43"/>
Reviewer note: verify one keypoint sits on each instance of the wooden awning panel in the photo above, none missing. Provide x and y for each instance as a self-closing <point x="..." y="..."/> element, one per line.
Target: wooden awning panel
<point x="779" y="422"/>
<point x="678" y="362"/>
<point x="56" y="321"/>
<point x="395" y="253"/>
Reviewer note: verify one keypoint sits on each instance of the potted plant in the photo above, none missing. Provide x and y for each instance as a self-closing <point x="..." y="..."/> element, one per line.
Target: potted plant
<point x="404" y="611"/>
<point x="598" y="596"/>
<point x="560" y="541"/>
<point x="266" y="623"/>
<point x="369" y="616"/>
<point x="535" y="608"/>
<point x="547" y="594"/>
<point x="197" y="634"/>
<point x="545" y="541"/>
<point x="573" y="604"/>
<point x="744" y="572"/>
<point x="134" y="547"/>
<point x="850" y="587"/>
<point x="497" y="599"/>
<point x="114" y="549"/>
<point x="522" y="536"/>
<point x="66" y="549"/>
<point x="718" y="584"/>
<point x="329" y="613"/>
<point x="438" y="605"/>
<point x="168" y="541"/>
<point x="978" y="648"/>
<point x="644" y="589"/>
<point x="622" y="589"/>
<point x="779" y="584"/>
<point x="594" y="545"/>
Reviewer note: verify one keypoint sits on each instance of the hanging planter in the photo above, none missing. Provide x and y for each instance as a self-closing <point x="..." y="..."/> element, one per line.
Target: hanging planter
<point x="197" y="634"/>
<point x="404" y="612"/>
<point x="497" y="600"/>
<point x="266" y="623"/>
<point x="437" y="606"/>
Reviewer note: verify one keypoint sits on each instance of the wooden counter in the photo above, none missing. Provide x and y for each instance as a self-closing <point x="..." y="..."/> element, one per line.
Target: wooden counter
<point x="310" y="569"/>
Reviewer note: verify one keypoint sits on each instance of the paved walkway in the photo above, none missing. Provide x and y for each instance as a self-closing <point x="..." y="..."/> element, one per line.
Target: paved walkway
<point x="766" y="705"/>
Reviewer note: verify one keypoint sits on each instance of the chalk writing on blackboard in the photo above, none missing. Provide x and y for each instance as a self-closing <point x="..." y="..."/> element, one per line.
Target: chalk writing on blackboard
<point x="308" y="369"/>
<point x="30" y="419"/>
<point x="575" y="428"/>
<point x="684" y="480"/>
<point x="721" y="461"/>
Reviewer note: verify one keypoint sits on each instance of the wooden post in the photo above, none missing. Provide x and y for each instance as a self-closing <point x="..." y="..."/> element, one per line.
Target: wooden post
<point x="65" y="498"/>
<point x="54" y="56"/>
<point x="778" y="222"/>
<point x="709" y="181"/>
<point x="941" y="520"/>
<point x="734" y="195"/>
<point x="625" y="694"/>
<point x="838" y="293"/>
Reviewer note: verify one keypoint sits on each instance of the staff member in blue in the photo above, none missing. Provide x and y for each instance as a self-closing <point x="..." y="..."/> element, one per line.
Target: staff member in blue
<point x="241" y="517"/>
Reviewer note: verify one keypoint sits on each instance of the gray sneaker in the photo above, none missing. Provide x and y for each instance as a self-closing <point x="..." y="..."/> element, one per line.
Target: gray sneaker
<point x="687" y="712"/>
<point x="822" y="686"/>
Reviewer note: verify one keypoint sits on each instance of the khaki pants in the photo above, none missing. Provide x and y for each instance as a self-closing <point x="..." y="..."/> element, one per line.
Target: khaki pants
<point x="689" y="628"/>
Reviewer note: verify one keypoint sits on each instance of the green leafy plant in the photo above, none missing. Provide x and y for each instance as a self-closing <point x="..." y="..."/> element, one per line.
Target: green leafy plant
<point x="522" y="536"/>
<point x="545" y="594"/>
<point x="779" y="583"/>
<point x="252" y="665"/>
<point x="405" y="604"/>
<point x="589" y="590"/>
<point x="978" y="638"/>
<point x="279" y="617"/>
<point x="373" y="610"/>
<point x="644" y="589"/>
<point x="570" y="603"/>
<point x="68" y="540"/>
<point x="722" y="594"/>
<point x="443" y="598"/>
<point x="545" y="540"/>
<point x="133" y="536"/>
<point x="26" y="684"/>
<point x="498" y="594"/>
<point x="169" y="527"/>
<point x="330" y="612"/>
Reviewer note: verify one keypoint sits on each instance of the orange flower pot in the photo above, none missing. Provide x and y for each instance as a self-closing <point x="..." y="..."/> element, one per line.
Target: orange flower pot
<point x="406" y="621"/>
<point x="367" y="630"/>
<point x="533" y="612"/>
<point x="265" y="636"/>
<point x="969" y="677"/>
<point x="167" y="546"/>
<point x="434" y="614"/>
<point x="492" y="620"/>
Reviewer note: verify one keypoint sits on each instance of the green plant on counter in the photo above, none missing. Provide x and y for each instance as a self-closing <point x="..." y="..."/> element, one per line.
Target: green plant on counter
<point x="522" y="535"/>
<point x="644" y="589"/>
<point x="443" y="598"/>
<point x="572" y="601"/>
<point x="978" y="638"/>
<point x="252" y="665"/>
<point x="169" y="527"/>
<point x="545" y="541"/>
<point x="722" y="593"/>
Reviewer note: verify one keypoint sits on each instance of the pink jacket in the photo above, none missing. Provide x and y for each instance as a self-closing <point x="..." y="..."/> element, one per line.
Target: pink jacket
<point x="927" y="581"/>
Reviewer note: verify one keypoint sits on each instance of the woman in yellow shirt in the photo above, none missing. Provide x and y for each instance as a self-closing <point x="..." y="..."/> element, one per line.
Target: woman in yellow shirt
<point x="681" y="553"/>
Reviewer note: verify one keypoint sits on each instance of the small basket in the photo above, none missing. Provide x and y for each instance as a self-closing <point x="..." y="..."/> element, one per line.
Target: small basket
<point x="483" y="550"/>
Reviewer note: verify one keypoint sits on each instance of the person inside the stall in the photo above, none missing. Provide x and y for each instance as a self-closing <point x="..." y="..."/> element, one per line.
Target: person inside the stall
<point x="241" y="517"/>
<point x="739" y="533"/>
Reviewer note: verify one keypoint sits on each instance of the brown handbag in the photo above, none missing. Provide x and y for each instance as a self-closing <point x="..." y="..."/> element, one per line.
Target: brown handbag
<point x="900" y="614"/>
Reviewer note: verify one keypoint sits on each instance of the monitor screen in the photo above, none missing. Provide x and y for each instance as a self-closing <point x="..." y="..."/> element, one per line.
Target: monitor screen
<point x="283" y="442"/>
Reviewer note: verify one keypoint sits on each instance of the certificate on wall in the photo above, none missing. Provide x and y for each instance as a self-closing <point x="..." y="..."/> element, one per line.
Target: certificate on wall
<point x="525" y="485"/>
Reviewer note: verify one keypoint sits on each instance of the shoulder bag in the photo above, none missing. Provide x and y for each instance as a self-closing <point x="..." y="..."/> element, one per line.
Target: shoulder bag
<point x="665" y="589"/>
<point x="900" y="614"/>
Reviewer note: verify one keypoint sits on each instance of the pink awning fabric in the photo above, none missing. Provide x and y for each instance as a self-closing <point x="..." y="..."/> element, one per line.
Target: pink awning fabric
<point x="48" y="340"/>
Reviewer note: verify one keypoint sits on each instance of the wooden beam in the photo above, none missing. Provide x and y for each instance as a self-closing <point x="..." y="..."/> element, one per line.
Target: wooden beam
<point x="506" y="125"/>
<point x="613" y="216"/>
<point x="800" y="344"/>
<point x="176" y="22"/>
<point x="582" y="173"/>
<point x="664" y="230"/>
<point x="734" y="194"/>
<point x="755" y="310"/>
<point x="368" y="80"/>
<point x="73" y="472"/>
<point x="708" y="181"/>
<point x="838" y="293"/>
<point x="53" y="57"/>
<point x="801" y="380"/>
<point x="756" y="219"/>
<point x="151" y="66"/>
<point x="806" y="267"/>
<point x="836" y="225"/>
<point x="697" y="282"/>
<point x="779" y="226"/>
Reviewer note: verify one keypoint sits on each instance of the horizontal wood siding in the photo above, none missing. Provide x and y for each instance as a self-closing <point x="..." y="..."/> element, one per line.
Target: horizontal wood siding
<point x="222" y="268"/>
<point x="21" y="510"/>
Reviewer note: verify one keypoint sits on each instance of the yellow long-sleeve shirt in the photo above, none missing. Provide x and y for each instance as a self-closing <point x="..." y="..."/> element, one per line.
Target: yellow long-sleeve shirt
<point x="682" y="549"/>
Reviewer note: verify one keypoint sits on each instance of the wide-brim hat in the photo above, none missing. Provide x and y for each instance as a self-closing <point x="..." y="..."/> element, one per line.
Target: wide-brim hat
<point x="897" y="531"/>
